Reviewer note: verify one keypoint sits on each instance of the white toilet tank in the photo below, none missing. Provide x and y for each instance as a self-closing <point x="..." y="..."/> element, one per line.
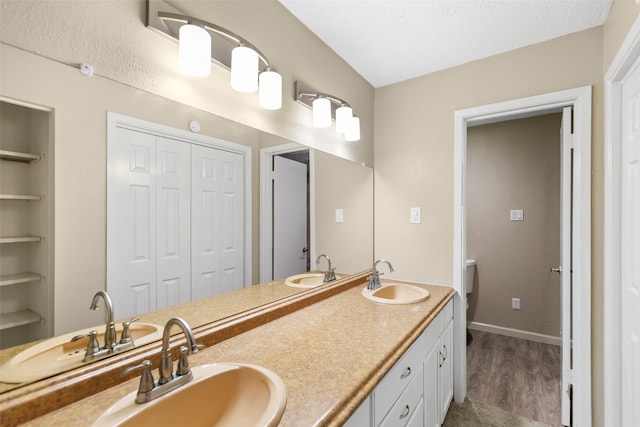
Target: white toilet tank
<point x="469" y="274"/>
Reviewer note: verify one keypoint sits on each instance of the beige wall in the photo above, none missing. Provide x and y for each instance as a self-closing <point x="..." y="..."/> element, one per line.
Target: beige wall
<point x="515" y="165"/>
<point x="348" y="190"/>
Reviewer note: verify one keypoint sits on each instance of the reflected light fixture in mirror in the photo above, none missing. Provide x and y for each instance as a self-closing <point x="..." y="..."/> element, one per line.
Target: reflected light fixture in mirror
<point x="321" y="112"/>
<point x="247" y="76"/>
<point x="244" y="69"/>
<point x="194" y="51"/>
<point x="325" y="107"/>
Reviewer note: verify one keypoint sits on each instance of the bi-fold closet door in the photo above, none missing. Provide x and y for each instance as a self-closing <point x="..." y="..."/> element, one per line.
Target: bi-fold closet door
<point x="175" y="222"/>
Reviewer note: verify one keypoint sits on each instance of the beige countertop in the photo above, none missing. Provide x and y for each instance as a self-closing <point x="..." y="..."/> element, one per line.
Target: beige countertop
<point x="330" y="355"/>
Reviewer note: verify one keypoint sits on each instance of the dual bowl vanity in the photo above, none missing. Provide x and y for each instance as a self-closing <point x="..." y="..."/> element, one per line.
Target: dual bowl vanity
<point x="314" y="358"/>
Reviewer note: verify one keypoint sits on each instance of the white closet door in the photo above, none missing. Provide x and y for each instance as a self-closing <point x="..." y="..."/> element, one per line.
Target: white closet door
<point x="173" y="223"/>
<point x="217" y="232"/>
<point x="131" y="225"/>
<point x="205" y="224"/>
<point x="232" y="204"/>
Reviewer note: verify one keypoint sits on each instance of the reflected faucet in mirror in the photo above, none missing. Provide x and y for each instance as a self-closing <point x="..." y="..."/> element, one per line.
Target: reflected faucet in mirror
<point x="94" y="351"/>
<point x="330" y="274"/>
<point x="374" y="279"/>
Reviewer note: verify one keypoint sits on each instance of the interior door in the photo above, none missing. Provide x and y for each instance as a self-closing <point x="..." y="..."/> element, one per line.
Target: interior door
<point x="630" y="250"/>
<point x="565" y="269"/>
<point x="290" y="246"/>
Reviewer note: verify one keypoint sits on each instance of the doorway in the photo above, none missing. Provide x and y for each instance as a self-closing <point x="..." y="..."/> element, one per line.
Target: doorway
<point x="579" y="373"/>
<point x="513" y="233"/>
<point x="286" y="214"/>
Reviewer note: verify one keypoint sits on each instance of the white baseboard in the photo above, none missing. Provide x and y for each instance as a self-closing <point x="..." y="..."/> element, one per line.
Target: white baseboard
<point x="516" y="333"/>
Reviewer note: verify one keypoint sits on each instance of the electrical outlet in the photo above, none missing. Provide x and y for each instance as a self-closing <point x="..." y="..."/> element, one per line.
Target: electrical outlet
<point x="515" y="303"/>
<point x="339" y="215"/>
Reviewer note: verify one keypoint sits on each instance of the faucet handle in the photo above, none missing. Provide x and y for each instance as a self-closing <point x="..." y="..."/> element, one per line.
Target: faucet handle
<point x="125" y="336"/>
<point x="147" y="382"/>
<point x="93" y="346"/>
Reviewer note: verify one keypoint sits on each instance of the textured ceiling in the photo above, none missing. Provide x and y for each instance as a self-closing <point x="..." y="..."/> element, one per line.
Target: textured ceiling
<point x="388" y="41"/>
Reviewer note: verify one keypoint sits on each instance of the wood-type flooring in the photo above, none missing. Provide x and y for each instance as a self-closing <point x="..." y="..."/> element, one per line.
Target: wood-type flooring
<point x="517" y="375"/>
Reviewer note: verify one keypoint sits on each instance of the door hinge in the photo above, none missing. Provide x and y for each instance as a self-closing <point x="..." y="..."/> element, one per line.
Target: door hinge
<point x="568" y="376"/>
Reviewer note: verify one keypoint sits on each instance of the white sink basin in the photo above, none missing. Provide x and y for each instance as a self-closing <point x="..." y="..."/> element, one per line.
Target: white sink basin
<point x="307" y="280"/>
<point x="58" y="354"/>
<point x="397" y="293"/>
<point x="220" y="395"/>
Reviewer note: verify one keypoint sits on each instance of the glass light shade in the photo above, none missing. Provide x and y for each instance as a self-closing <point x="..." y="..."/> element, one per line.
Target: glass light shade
<point x="321" y="113"/>
<point x="270" y="90"/>
<point x="343" y="117"/>
<point x="194" y="50"/>
<point x="353" y="131"/>
<point x="244" y="69"/>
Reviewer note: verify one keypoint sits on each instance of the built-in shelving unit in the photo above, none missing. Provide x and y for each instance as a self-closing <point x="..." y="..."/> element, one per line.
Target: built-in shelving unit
<point x="26" y="293"/>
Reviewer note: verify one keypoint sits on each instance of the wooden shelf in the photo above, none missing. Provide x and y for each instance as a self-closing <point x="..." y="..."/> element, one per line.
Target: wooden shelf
<point x="18" y="318"/>
<point x="19" y="197"/>
<point x="15" y="156"/>
<point x="20" y="239"/>
<point x="15" y="279"/>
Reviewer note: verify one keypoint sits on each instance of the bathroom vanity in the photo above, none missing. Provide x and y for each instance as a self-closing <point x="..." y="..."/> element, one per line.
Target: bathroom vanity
<point x="339" y="357"/>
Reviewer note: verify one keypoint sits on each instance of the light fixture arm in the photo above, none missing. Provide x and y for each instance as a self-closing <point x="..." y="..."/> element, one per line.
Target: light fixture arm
<point x="334" y="99"/>
<point x="229" y="35"/>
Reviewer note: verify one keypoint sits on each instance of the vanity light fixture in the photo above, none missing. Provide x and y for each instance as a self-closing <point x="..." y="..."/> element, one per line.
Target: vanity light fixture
<point x="194" y="50"/>
<point x="201" y="41"/>
<point x="325" y="107"/>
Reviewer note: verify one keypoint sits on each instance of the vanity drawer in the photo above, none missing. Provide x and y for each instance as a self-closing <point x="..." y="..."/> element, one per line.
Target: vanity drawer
<point x="398" y="378"/>
<point x="409" y="402"/>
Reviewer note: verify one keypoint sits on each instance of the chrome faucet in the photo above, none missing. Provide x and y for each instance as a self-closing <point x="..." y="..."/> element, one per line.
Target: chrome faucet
<point x="374" y="279"/>
<point x="330" y="274"/>
<point x="94" y="351"/>
<point x="110" y="330"/>
<point x="148" y="388"/>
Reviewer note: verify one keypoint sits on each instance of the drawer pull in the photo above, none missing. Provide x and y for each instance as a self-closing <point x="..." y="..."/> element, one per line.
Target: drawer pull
<point x="406" y="373"/>
<point x="405" y="412"/>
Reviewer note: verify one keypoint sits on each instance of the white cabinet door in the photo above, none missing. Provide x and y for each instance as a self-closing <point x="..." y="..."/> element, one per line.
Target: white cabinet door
<point x="445" y="371"/>
<point x="431" y="377"/>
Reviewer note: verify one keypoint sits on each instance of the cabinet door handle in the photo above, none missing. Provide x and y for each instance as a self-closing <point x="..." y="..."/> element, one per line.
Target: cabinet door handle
<point x="406" y="373"/>
<point x="446" y="352"/>
<point x="405" y="412"/>
<point x="441" y="362"/>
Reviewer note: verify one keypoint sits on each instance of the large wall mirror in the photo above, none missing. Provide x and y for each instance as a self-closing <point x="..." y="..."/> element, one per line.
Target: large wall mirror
<point x="69" y="112"/>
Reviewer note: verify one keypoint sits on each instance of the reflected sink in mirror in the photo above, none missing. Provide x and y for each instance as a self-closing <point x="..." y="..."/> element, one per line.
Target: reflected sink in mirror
<point x="397" y="293"/>
<point x="59" y="354"/>
<point x="224" y="394"/>
<point x="307" y="280"/>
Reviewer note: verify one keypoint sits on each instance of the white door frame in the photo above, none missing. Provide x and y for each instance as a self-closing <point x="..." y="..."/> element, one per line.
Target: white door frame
<point x="627" y="54"/>
<point x="266" y="205"/>
<point x="580" y="100"/>
<point x="115" y="120"/>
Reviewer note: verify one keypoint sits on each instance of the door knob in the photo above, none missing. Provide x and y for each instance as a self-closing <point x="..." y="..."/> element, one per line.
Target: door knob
<point x="557" y="270"/>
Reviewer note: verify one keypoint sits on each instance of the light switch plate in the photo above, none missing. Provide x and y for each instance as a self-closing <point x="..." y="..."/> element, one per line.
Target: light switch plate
<point x="517" y="215"/>
<point x="339" y="215"/>
<point x="415" y="215"/>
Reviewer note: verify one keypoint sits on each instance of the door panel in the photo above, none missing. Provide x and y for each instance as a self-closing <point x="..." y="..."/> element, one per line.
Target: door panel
<point x="630" y="249"/>
<point x="131" y="237"/>
<point x="173" y="223"/>
<point x="289" y="217"/>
